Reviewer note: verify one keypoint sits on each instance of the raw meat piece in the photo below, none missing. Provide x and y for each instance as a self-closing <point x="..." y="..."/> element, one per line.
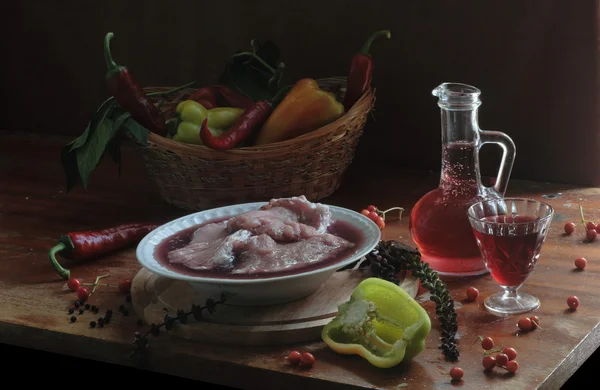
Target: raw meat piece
<point x="262" y="254"/>
<point x="210" y="232"/>
<point x="312" y="214"/>
<point x="211" y="248"/>
<point x="279" y="223"/>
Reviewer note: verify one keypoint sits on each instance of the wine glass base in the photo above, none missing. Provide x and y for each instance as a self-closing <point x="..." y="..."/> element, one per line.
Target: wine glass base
<point x="501" y="304"/>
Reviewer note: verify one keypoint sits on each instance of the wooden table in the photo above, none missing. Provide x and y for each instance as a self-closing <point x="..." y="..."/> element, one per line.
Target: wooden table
<point x="35" y="211"/>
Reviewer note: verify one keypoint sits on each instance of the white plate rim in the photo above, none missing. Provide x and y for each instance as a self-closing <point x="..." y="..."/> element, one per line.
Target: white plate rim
<point x="372" y="238"/>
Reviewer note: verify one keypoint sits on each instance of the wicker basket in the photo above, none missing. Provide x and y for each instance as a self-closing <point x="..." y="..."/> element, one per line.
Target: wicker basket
<point x="194" y="177"/>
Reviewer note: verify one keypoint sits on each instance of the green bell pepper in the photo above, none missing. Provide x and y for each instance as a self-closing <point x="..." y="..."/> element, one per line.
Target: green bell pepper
<point x="191" y="115"/>
<point x="381" y="323"/>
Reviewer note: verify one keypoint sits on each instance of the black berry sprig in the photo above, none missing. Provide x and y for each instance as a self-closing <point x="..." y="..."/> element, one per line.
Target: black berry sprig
<point x="140" y="340"/>
<point x="391" y="257"/>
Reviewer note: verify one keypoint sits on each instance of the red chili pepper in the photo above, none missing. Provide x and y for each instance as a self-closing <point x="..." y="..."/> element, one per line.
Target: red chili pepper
<point x="233" y="98"/>
<point x="361" y="71"/>
<point x="253" y="117"/>
<point x="206" y="96"/>
<point x="130" y="95"/>
<point x="92" y="244"/>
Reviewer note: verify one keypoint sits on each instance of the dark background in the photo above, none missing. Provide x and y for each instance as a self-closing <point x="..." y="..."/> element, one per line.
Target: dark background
<point x="535" y="61"/>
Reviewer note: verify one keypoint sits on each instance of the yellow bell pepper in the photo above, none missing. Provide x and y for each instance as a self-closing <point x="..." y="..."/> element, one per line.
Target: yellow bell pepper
<point x="381" y="323"/>
<point x="192" y="114"/>
<point x="305" y="108"/>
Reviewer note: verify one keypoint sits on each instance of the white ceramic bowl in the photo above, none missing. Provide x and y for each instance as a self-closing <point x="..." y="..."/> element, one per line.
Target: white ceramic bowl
<point x="262" y="291"/>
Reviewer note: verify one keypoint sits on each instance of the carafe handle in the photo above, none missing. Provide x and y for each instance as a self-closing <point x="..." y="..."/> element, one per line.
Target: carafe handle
<point x="508" y="156"/>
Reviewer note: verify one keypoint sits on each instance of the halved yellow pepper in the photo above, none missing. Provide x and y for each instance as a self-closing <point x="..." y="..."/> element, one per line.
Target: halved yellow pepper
<point x="381" y="323"/>
<point x="305" y="108"/>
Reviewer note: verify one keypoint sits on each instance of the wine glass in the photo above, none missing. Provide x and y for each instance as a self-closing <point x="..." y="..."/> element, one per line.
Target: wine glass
<point x="510" y="233"/>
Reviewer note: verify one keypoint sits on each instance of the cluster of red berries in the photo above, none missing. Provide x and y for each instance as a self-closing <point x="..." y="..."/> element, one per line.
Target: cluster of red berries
<point x="305" y="359"/>
<point x="83" y="293"/>
<point x="529" y="323"/>
<point x="378" y="216"/>
<point x="591" y="229"/>
<point x="505" y="357"/>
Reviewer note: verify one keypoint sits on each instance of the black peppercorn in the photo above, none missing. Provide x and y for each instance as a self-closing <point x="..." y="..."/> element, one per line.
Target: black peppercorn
<point x="73" y="318"/>
<point x="81" y="311"/>
<point x="76" y="304"/>
<point x="87" y="306"/>
<point x="125" y="312"/>
<point x="71" y="311"/>
<point x="101" y="320"/>
<point x="92" y="324"/>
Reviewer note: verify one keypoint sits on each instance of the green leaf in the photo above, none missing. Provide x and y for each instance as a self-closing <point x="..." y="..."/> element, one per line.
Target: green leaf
<point x="90" y="154"/>
<point x="97" y="118"/>
<point x="121" y="119"/>
<point x="114" y="149"/>
<point x="249" y="76"/>
<point x="69" y="163"/>
<point x="139" y="132"/>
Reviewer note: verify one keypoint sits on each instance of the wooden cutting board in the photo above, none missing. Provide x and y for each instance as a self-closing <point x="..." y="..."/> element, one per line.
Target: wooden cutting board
<point x="293" y="322"/>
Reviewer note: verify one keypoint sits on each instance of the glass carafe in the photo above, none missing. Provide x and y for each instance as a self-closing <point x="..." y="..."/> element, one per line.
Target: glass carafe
<point x="438" y="222"/>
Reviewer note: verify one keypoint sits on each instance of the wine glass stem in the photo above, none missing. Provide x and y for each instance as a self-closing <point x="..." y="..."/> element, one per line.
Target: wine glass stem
<point x="510" y="292"/>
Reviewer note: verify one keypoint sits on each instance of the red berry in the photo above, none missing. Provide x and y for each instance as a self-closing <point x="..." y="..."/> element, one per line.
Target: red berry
<point x="472" y="294"/>
<point x="365" y="212"/>
<point x="535" y="322"/>
<point x="591" y="235"/>
<point x="580" y="263"/>
<point x="73" y="284"/>
<point x="380" y="223"/>
<point x="373" y="215"/>
<point x="125" y="286"/>
<point x="294" y="357"/>
<point x="524" y="324"/>
<point x="371" y="208"/>
<point x="590" y="225"/>
<point x="487" y="343"/>
<point x="512" y="366"/>
<point x="307" y="360"/>
<point x="489" y="362"/>
<point x="569" y="227"/>
<point x="83" y="294"/>
<point x="502" y="359"/>
<point x="457" y="373"/>
<point x="510" y="352"/>
<point x="573" y="302"/>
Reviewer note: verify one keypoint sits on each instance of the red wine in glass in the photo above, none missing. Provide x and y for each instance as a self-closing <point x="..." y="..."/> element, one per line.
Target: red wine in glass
<point x="510" y="233"/>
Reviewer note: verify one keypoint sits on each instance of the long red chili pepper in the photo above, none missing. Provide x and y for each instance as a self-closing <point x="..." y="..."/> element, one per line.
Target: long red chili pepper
<point x="361" y="71"/>
<point x="130" y="95"/>
<point x="206" y="96"/>
<point x="92" y="244"/>
<point x="233" y="98"/>
<point x="253" y="117"/>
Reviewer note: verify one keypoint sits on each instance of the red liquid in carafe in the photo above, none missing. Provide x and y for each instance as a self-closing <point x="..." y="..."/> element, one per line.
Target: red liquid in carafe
<point x="510" y="256"/>
<point x="439" y="224"/>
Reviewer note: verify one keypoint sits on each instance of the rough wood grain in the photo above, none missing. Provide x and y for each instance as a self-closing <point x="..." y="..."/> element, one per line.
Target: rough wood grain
<point x="34" y="211"/>
<point x="294" y="322"/>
